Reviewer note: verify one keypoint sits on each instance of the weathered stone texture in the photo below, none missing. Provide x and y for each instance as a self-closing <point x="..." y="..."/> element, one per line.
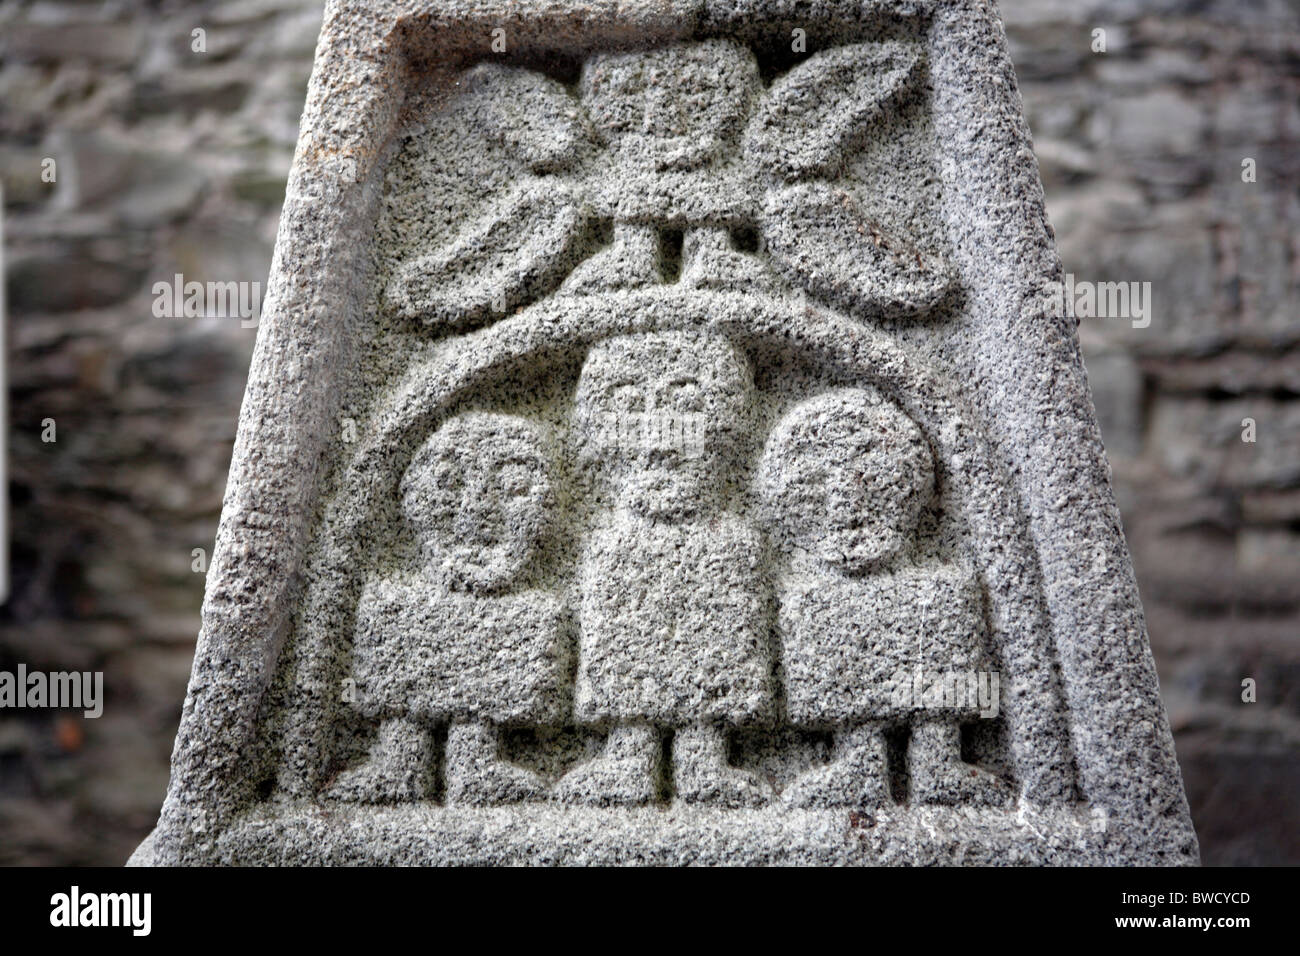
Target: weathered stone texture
<point x="1141" y="152"/>
<point x="175" y="161"/>
<point x="538" y="371"/>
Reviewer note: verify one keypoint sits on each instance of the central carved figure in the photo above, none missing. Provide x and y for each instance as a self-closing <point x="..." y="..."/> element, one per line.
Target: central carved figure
<point x="674" y="604"/>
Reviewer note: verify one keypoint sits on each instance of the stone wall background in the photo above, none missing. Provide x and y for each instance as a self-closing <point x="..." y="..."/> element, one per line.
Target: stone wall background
<point x="174" y="161"/>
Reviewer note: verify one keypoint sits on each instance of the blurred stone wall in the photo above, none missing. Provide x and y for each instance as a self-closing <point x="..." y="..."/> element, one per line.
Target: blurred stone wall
<point x="167" y="161"/>
<point x="1141" y="150"/>
<point x="170" y="160"/>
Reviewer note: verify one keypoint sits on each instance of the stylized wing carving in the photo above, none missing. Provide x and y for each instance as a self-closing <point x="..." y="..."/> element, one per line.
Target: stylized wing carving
<point x="813" y="119"/>
<point x="815" y="113"/>
<point x="530" y="114"/>
<point x="520" y="245"/>
<point x="821" y="240"/>
<point x="519" y="248"/>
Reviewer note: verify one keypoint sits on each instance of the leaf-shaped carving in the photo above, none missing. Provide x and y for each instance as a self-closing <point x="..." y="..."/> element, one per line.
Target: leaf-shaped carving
<point x="816" y="112"/>
<point x="530" y="114"/>
<point x="821" y="240"/>
<point x="522" y="245"/>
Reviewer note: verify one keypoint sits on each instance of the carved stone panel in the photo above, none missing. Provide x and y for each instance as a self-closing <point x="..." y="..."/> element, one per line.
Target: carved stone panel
<point x="670" y="461"/>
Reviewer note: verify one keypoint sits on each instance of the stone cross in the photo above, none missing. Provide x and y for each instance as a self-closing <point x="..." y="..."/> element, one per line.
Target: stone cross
<point x="662" y="445"/>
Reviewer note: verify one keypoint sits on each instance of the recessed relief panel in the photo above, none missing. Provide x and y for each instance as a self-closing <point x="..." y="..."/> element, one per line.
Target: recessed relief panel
<point x="670" y="525"/>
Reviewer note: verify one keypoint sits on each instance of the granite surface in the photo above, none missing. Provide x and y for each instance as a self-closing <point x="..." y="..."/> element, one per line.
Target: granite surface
<point x="600" y="347"/>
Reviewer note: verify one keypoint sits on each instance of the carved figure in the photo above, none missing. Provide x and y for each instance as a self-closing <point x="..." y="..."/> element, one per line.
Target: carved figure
<point x="682" y="136"/>
<point x="673" y="620"/>
<point x="873" y="632"/>
<point x="451" y="642"/>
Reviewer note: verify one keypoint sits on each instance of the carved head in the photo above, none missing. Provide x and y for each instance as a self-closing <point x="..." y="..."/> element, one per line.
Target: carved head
<point x="845" y="477"/>
<point x="476" y="494"/>
<point x="675" y="107"/>
<point x="662" y="414"/>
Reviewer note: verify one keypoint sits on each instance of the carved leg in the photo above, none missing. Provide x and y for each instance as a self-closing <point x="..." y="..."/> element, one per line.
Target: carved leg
<point x="397" y="770"/>
<point x="710" y="262"/>
<point x="622" y="776"/>
<point x="630" y="262"/>
<point x="937" y="774"/>
<point x="476" y="774"/>
<point x="857" y="776"/>
<point x="701" y="773"/>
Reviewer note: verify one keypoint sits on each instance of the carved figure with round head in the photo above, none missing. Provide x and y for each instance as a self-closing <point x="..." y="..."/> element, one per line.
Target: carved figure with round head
<point x="674" y="107"/>
<point x="476" y="495"/>
<point x="845" y="478"/>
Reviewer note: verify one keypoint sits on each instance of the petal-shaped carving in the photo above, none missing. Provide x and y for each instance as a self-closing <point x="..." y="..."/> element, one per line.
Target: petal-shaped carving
<point x="529" y="113"/>
<point x="821" y="241"/>
<point x="814" y="113"/>
<point x="522" y="246"/>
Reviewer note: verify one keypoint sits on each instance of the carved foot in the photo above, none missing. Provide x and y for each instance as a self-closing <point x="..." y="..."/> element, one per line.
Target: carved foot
<point x="856" y="777"/>
<point x="476" y="774"/>
<point x="622" y="776"/>
<point x="397" y="769"/>
<point x="701" y="773"/>
<point x="938" y="775"/>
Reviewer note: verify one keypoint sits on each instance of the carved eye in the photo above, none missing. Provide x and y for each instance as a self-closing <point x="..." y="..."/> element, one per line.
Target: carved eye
<point x="446" y="476"/>
<point x="809" y="479"/>
<point x="515" y="480"/>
